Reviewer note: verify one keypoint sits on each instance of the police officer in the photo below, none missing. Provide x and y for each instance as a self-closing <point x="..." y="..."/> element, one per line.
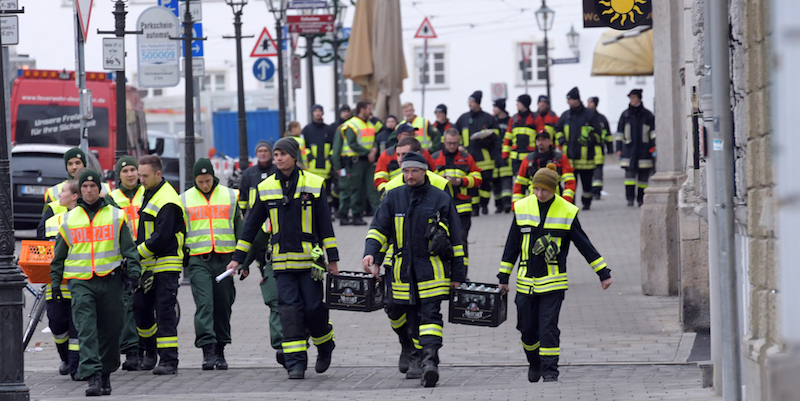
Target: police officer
<point x="127" y="196"/>
<point x="92" y="242"/>
<point x="545" y="154"/>
<point x="606" y="142"/>
<point x="481" y="137"/>
<point x="160" y="236"/>
<point x="578" y="133"/>
<point x="353" y="154"/>
<point x="74" y="159"/>
<point x="59" y="313"/>
<point x="212" y="222"/>
<point x="636" y="146"/>
<point x="540" y="234"/>
<point x="300" y="226"/>
<point x="502" y="178"/>
<point x="422" y="265"/>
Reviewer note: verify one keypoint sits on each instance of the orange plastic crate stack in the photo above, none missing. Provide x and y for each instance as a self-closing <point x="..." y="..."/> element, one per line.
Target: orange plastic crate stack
<point x="35" y="258"/>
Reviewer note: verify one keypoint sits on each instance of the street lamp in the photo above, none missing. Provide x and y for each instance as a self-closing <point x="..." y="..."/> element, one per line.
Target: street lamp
<point x="338" y="10"/>
<point x="244" y="155"/>
<point x="278" y="10"/>
<point x="544" y="18"/>
<point x="573" y="39"/>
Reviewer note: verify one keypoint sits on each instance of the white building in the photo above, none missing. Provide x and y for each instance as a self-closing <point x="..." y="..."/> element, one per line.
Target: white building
<point x="477" y="45"/>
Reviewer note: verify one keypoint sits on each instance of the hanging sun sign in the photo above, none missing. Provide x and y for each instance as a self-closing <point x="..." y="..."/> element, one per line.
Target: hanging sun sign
<point x="617" y="14"/>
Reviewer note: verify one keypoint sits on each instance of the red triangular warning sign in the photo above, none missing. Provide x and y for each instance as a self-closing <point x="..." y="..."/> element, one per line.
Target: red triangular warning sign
<point x="84" y="8"/>
<point x="265" y="46"/>
<point x="425" y="30"/>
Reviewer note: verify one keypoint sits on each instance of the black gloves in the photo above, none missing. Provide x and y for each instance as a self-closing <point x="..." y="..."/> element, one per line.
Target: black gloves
<point x="56" y="293"/>
<point x="132" y="282"/>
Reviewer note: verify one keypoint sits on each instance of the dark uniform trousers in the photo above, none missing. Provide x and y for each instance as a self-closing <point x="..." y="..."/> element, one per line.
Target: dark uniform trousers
<point x="269" y="292"/>
<point x="353" y="188"/>
<point x="163" y="324"/>
<point x="129" y="340"/>
<point x="585" y="177"/>
<point x="59" y="317"/>
<point x="98" y="312"/>
<point x="213" y="301"/>
<point x="407" y="319"/>
<point x="484" y="193"/>
<point x="636" y="181"/>
<point x="466" y="224"/>
<point x="537" y="320"/>
<point x="302" y="308"/>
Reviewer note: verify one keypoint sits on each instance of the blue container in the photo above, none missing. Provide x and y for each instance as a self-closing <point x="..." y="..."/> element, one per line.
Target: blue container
<point x="261" y="124"/>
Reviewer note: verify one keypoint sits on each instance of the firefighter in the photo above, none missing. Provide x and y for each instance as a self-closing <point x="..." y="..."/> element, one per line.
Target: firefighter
<point x="333" y="129"/>
<point x="423" y="266"/>
<point x="481" y="137"/>
<point x="606" y="143"/>
<point x="300" y="226"/>
<point x="545" y="154"/>
<point x="59" y="313"/>
<point x="520" y="137"/>
<point x="213" y="220"/>
<point x="160" y="236"/>
<point x="295" y="131"/>
<point x="460" y="169"/>
<point x="442" y="123"/>
<point x="636" y="146"/>
<point x="92" y="242"/>
<point x="127" y="196"/>
<point x="427" y="134"/>
<point x="540" y="234"/>
<point x="74" y="159"/>
<point x="502" y="178"/>
<point x="382" y="137"/>
<point x="353" y="154"/>
<point x="578" y="133"/>
<point x="388" y="166"/>
<point x="319" y="145"/>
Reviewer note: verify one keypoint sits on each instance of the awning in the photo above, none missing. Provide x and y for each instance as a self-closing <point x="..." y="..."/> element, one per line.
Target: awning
<point x="625" y="56"/>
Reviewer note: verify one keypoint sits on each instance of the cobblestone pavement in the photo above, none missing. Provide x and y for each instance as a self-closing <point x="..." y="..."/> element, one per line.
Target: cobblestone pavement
<point x="615" y="344"/>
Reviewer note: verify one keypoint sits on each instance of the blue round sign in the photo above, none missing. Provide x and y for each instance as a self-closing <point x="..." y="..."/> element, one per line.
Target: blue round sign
<point x="263" y="69"/>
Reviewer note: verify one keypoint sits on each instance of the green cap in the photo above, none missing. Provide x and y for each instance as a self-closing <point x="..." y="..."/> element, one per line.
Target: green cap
<point x="74" y="152"/>
<point x="203" y="166"/>
<point x="89" y="175"/>
<point x="125" y="161"/>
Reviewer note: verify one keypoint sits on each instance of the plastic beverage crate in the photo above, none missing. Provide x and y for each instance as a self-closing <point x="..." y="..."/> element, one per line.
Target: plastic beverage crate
<point x="354" y="291"/>
<point x="478" y="308"/>
<point x="35" y="258"/>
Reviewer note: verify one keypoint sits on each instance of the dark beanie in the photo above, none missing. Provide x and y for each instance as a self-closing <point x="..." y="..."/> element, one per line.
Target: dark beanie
<point x="441" y="108"/>
<point x="525" y="100"/>
<point x="595" y="100"/>
<point x="543" y="98"/>
<point x="125" y="161"/>
<point x="74" y="152"/>
<point x="89" y="175"/>
<point x="500" y="104"/>
<point x="476" y="96"/>
<point x="637" y="92"/>
<point x="202" y="166"/>
<point x="574" y="93"/>
<point x="414" y="159"/>
<point x="288" y="145"/>
<point x="264" y="142"/>
<point x="316" y="106"/>
<point x="344" y="108"/>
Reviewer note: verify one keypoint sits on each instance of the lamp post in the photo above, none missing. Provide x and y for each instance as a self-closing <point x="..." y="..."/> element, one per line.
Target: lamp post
<point x="573" y="38"/>
<point x="278" y="11"/>
<point x="544" y="19"/>
<point x="338" y="11"/>
<point x="244" y="155"/>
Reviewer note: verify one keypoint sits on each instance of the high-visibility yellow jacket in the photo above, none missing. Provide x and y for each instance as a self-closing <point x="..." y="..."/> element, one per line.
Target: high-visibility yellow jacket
<point x="210" y="222"/>
<point x="52" y="193"/>
<point x="161" y="250"/>
<point x="93" y="243"/>
<point x="51" y="227"/>
<point x="131" y="206"/>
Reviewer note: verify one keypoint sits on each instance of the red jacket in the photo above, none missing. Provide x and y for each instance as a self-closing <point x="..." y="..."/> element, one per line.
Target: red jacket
<point x="387" y="167"/>
<point x="459" y="165"/>
<point x="534" y="161"/>
<point x="443" y="127"/>
<point x="520" y="137"/>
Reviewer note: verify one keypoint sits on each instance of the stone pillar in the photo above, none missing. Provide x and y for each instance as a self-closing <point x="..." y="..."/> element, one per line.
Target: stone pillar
<point x="660" y="227"/>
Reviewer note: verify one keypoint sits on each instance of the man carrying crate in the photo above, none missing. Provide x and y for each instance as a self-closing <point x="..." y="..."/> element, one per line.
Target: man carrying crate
<point x="422" y="270"/>
<point x="92" y="242"/>
<point x="543" y="227"/>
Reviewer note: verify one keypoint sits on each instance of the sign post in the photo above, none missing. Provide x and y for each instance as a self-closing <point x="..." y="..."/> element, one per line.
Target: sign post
<point x="296" y="83"/>
<point x="83" y="12"/>
<point x="425" y="31"/>
<point x="527" y="49"/>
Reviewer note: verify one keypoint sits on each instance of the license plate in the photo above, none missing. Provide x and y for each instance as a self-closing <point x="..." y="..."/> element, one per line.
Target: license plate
<point x="33" y="190"/>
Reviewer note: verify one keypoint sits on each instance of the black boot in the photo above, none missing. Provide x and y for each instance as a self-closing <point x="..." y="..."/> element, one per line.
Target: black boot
<point x="209" y="357"/>
<point x="148" y="360"/>
<point x="498" y="206"/>
<point x="406" y="347"/>
<point x="280" y="357"/>
<point x="485" y="209"/>
<point x="430" y="368"/>
<point x="640" y="196"/>
<point x="507" y="203"/>
<point x="94" y="386"/>
<point x="221" y="364"/>
<point x="415" y="365"/>
<point x="345" y="221"/>
<point x="358" y="221"/>
<point x="131" y="361"/>
<point x="476" y="211"/>
<point x="533" y="374"/>
<point x="63" y="368"/>
<point x="324" y="357"/>
<point x="167" y="368"/>
<point x="105" y="384"/>
<point x="587" y="203"/>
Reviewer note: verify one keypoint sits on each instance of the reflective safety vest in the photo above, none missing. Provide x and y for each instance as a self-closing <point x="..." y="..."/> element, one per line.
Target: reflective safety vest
<point x="435" y="179"/>
<point x="544" y="277"/>
<point x="209" y="222"/>
<point x="161" y="263"/>
<point x="130" y="206"/>
<point x="587" y="158"/>
<point x="93" y="243"/>
<point x="321" y="154"/>
<point x="52" y="225"/>
<point x="301" y="144"/>
<point x="365" y="132"/>
<point x="421" y="128"/>
<point x="56" y="207"/>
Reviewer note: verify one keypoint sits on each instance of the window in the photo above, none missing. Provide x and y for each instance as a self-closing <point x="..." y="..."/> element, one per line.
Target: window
<point x="158" y="92"/>
<point x="533" y="73"/>
<point x="213" y="82"/>
<point x="349" y="92"/>
<point x="431" y="70"/>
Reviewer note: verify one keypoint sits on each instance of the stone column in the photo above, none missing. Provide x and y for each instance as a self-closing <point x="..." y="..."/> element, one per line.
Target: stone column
<point x="660" y="229"/>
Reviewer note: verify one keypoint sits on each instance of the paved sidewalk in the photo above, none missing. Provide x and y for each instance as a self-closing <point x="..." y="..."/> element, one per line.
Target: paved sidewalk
<point x="615" y="344"/>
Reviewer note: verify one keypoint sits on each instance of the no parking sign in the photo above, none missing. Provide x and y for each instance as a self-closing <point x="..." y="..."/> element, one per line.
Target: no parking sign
<point x="499" y="91"/>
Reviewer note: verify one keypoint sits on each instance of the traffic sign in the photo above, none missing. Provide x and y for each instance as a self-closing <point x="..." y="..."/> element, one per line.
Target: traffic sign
<point x="425" y="30"/>
<point x="345" y="35"/>
<point x="7" y="5"/>
<point x="287" y="37"/>
<point x="265" y="46"/>
<point x="114" y="54"/>
<point x="195" y="10"/>
<point x="158" y="56"/>
<point x="527" y="49"/>
<point x="9" y="30"/>
<point x="499" y="91"/>
<point x="197" y="45"/>
<point x="84" y="8"/>
<point x="310" y="23"/>
<point x="296" y="72"/>
<point x="307" y="4"/>
<point x="198" y="67"/>
<point x="172" y="5"/>
<point x="263" y="69"/>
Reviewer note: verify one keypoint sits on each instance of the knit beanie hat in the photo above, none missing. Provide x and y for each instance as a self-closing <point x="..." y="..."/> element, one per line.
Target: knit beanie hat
<point x="263" y="142"/>
<point x="500" y="104"/>
<point x="543" y="98"/>
<point x="574" y="93"/>
<point x="414" y="159"/>
<point x="595" y="100"/>
<point x="637" y="92"/>
<point x="525" y="100"/>
<point x="288" y="145"/>
<point x="74" y="152"/>
<point x="89" y="175"/>
<point x="316" y="106"/>
<point x="441" y="108"/>
<point x="202" y="166"/>
<point x="476" y="96"/>
<point x="125" y="161"/>
<point x="546" y="178"/>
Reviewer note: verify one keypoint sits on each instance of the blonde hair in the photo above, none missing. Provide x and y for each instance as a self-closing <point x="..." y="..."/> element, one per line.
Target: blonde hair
<point x="407" y="104"/>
